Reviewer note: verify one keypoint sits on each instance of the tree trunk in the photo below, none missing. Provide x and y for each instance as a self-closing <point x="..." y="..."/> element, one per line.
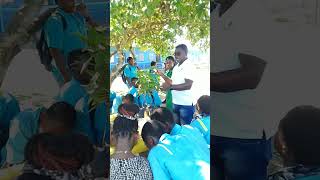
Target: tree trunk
<point x="18" y="32"/>
<point x="117" y="70"/>
<point x="132" y="52"/>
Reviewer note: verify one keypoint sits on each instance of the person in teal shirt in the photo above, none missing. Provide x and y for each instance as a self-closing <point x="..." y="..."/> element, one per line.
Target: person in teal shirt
<point x="202" y="120"/>
<point x="165" y="116"/>
<point x="59" y="118"/>
<point x="130" y="71"/>
<point x="61" y="41"/>
<point x="101" y="125"/>
<point x="174" y="157"/>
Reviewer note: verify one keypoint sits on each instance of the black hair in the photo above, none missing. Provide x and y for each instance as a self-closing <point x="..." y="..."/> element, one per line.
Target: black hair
<point x="70" y="146"/>
<point x="129" y="97"/>
<point x="170" y="58"/>
<point x="124" y="127"/>
<point x="163" y="115"/>
<point x="204" y="104"/>
<point x="129" y="58"/>
<point x="62" y="113"/>
<point x="134" y="78"/>
<point x="300" y="128"/>
<point x="56" y="1"/>
<point x="152" y="128"/>
<point x="183" y="47"/>
<point x="132" y="108"/>
<point x="153" y="63"/>
<point x="33" y="176"/>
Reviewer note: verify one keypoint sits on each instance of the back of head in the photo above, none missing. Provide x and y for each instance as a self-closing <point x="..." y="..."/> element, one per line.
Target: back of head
<point x="153" y="63"/>
<point x="128" y="109"/>
<point x="163" y="115"/>
<point x="300" y="129"/>
<point x="152" y="129"/>
<point x="67" y="152"/>
<point x="61" y="114"/>
<point x="204" y="104"/>
<point x="124" y="126"/>
<point x="129" y="98"/>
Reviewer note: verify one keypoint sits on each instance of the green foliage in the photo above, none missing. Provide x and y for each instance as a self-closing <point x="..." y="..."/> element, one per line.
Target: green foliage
<point x="148" y="81"/>
<point x="155" y="24"/>
<point x="99" y="56"/>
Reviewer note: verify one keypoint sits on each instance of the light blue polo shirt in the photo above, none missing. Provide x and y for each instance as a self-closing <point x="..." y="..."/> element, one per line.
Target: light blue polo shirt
<point x="130" y="71"/>
<point x="22" y="128"/>
<point x="9" y="108"/>
<point x="64" y="40"/>
<point x="203" y="125"/>
<point x="177" y="157"/>
<point x="116" y="103"/>
<point x="193" y="134"/>
<point x="71" y="92"/>
<point x="134" y="92"/>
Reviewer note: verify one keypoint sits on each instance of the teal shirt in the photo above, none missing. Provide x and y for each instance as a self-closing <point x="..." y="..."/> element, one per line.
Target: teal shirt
<point x="178" y="158"/>
<point x="101" y="124"/>
<point x="130" y="71"/>
<point x="22" y="128"/>
<point x="65" y="40"/>
<point x="9" y="108"/>
<point x="203" y="125"/>
<point x="77" y="96"/>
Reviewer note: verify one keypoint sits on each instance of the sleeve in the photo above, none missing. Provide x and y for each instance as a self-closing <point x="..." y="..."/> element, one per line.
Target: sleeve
<point x="126" y="71"/>
<point x="18" y="138"/>
<point x="159" y="171"/>
<point x="54" y="33"/>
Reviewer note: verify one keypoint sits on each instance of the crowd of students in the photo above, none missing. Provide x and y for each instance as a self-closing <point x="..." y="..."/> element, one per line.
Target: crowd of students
<point x="173" y="141"/>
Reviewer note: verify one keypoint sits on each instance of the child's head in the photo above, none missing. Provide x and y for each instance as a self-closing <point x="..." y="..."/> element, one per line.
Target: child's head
<point x="125" y="129"/>
<point x="128" y="99"/>
<point x="151" y="132"/>
<point x="130" y="61"/>
<point x="165" y="116"/>
<point x="203" y="105"/>
<point x="76" y="61"/>
<point x="134" y="82"/>
<point x="297" y="139"/>
<point x="169" y="63"/>
<point x="128" y="109"/>
<point x="67" y="152"/>
<point x="58" y="118"/>
<point x="153" y="63"/>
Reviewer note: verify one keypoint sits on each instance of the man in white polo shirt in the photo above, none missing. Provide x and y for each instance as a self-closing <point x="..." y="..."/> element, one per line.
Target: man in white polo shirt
<point x="241" y="141"/>
<point x="180" y="85"/>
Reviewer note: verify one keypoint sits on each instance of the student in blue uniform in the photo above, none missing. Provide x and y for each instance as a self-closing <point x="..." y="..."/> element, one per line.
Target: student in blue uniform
<point x="165" y="116"/>
<point x="128" y="99"/>
<point x="130" y="70"/>
<point x="75" y="93"/>
<point x="202" y="120"/>
<point x="9" y="108"/>
<point x="59" y="118"/>
<point x="61" y="41"/>
<point x="174" y="157"/>
<point x="101" y="125"/>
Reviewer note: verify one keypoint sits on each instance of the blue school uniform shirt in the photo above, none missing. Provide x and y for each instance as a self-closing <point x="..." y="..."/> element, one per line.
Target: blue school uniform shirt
<point x="130" y="71"/>
<point x="192" y="134"/>
<point x="116" y="103"/>
<point x="22" y="128"/>
<point x="64" y="40"/>
<point x="101" y="125"/>
<point x="203" y="125"/>
<point x="177" y="157"/>
<point x="134" y="92"/>
<point x="150" y="100"/>
<point x="9" y="108"/>
<point x="77" y="96"/>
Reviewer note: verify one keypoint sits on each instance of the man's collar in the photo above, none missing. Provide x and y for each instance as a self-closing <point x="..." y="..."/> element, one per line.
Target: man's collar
<point x="176" y="129"/>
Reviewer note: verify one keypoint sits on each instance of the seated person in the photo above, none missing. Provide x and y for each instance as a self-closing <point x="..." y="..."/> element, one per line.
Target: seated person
<point x="9" y="108"/>
<point x="74" y="91"/>
<point x="128" y="99"/>
<point x="297" y="142"/>
<point x="130" y="110"/>
<point x="59" y="118"/>
<point x="101" y="126"/>
<point x="113" y="95"/>
<point x="123" y="163"/>
<point x="165" y="116"/>
<point x="202" y="120"/>
<point x="54" y="157"/>
<point x="174" y="156"/>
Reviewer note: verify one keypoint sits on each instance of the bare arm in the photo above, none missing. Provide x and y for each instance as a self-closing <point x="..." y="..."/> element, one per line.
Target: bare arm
<point x="60" y="62"/>
<point x="247" y="76"/>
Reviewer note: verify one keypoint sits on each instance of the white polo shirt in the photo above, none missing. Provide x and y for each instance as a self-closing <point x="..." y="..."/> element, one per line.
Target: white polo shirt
<point x="242" y="29"/>
<point x="179" y="74"/>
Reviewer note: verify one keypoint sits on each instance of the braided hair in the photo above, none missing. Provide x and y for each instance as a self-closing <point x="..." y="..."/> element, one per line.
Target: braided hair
<point x="67" y="152"/>
<point x="124" y="126"/>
